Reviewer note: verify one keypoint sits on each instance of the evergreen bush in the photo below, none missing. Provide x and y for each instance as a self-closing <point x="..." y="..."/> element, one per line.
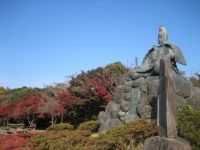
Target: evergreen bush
<point x="60" y="140"/>
<point x="90" y="126"/>
<point x="189" y="125"/>
<point x="129" y="136"/>
<point x="61" y="126"/>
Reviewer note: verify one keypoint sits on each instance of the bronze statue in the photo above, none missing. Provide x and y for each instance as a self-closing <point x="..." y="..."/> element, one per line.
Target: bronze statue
<point x="138" y="96"/>
<point x="151" y="62"/>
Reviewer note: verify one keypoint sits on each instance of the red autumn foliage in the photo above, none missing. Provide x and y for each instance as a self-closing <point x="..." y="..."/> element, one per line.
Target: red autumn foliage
<point x="92" y="86"/>
<point x="100" y="83"/>
<point x="15" y="142"/>
<point x="27" y="135"/>
<point x="4" y="110"/>
<point x="28" y="106"/>
<point x="67" y="99"/>
<point x="99" y="89"/>
<point x="12" y="142"/>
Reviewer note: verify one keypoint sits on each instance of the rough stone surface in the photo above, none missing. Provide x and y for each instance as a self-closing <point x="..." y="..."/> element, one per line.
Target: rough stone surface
<point x="125" y="105"/>
<point x="194" y="99"/>
<point x="161" y="143"/>
<point x="147" y="105"/>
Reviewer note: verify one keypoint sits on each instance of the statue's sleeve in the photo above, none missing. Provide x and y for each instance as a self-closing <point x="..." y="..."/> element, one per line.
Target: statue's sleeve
<point x="178" y="55"/>
<point x="170" y="54"/>
<point x="146" y="64"/>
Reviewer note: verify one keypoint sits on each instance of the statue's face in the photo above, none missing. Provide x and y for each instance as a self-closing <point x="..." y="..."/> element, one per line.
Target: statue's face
<point x="162" y="36"/>
<point x="161" y="29"/>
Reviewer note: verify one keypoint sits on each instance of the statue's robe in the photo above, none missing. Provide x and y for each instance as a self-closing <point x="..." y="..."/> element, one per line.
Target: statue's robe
<point x="151" y="61"/>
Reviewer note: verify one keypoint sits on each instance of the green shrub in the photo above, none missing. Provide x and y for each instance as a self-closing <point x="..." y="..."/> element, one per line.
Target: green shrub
<point x="133" y="133"/>
<point x="189" y="125"/>
<point x="61" y="126"/>
<point x="90" y="126"/>
<point x="59" y="140"/>
<point x="105" y="143"/>
<point x="124" y="137"/>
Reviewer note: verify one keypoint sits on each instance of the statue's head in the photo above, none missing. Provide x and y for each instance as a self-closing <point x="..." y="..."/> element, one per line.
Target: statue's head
<point x="162" y="35"/>
<point x="162" y="29"/>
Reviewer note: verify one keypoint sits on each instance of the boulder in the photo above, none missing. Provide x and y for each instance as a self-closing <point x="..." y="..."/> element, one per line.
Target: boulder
<point x="161" y="143"/>
<point x="146" y="107"/>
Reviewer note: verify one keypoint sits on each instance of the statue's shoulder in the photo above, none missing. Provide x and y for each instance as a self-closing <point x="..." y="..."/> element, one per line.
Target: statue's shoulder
<point x="177" y="53"/>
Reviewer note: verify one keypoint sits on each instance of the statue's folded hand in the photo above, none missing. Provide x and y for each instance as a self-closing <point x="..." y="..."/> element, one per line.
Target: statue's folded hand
<point x="144" y="68"/>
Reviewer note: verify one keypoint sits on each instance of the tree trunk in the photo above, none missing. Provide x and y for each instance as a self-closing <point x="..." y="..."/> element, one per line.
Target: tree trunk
<point x="52" y="119"/>
<point x="56" y="119"/>
<point x="31" y="121"/>
<point x="5" y="122"/>
<point x="62" y="117"/>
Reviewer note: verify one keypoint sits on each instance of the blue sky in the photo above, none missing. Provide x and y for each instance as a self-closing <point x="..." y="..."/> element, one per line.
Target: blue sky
<point x="43" y="41"/>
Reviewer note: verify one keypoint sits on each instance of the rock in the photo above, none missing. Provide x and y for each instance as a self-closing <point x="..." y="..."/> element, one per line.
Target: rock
<point x="146" y="106"/>
<point x="112" y="109"/>
<point x="147" y="111"/>
<point x="152" y="85"/>
<point x="128" y="118"/>
<point x="115" y="122"/>
<point x="109" y="123"/>
<point x="118" y="95"/>
<point x="125" y="105"/>
<point x="180" y="101"/>
<point x="109" y="118"/>
<point x="194" y="99"/>
<point x="128" y="96"/>
<point x="102" y="117"/>
<point x="183" y="86"/>
<point x="161" y="143"/>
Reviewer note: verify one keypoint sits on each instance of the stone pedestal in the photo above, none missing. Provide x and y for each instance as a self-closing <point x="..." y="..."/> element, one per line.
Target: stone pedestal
<point x="161" y="143"/>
